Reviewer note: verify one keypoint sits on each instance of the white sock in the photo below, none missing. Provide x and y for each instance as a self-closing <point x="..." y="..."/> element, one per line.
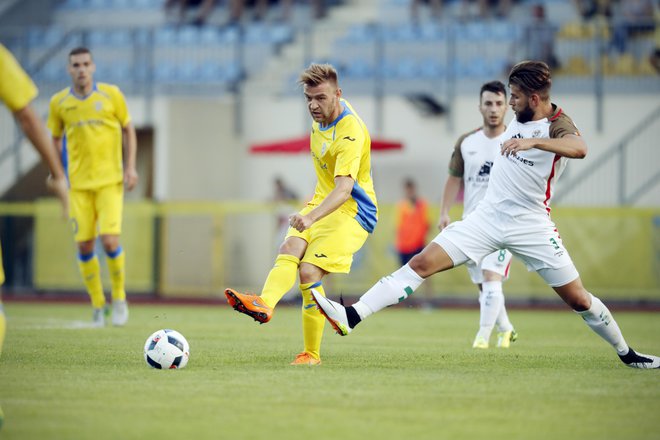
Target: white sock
<point x="502" y="321"/>
<point x="599" y="318"/>
<point x="490" y="301"/>
<point x="388" y="291"/>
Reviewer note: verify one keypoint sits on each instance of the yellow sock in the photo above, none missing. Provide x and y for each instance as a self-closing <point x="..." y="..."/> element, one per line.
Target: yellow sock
<point x="312" y="320"/>
<point x="90" y="269"/>
<point x="281" y="279"/>
<point x="117" y="274"/>
<point x="3" y="326"/>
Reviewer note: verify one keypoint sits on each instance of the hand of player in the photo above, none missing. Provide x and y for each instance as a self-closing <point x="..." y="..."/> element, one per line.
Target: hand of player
<point x="444" y="221"/>
<point x="60" y="188"/>
<point x="299" y="222"/>
<point x="130" y="178"/>
<point x="514" y="145"/>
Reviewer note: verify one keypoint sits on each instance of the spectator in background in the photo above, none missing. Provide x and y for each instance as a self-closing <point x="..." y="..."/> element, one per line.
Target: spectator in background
<point x="412" y="223"/>
<point x="589" y="9"/>
<point x="539" y="38"/>
<point x="488" y="8"/>
<point x="655" y="53"/>
<point x="635" y="17"/>
<point x="203" y="8"/>
<point x="434" y="5"/>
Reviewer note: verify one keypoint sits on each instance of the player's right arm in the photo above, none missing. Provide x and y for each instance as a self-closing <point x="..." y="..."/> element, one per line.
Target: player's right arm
<point x="449" y="194"/>
<point x="18" y="91"/>
<point x="452" y="185"/>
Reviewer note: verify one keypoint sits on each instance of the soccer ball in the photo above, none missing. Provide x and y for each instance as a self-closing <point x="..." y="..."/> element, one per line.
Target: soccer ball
<point x="166" y="349"/>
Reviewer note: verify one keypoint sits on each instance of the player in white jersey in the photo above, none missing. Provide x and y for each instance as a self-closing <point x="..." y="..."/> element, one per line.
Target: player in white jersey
<point x="469" y="167"/>
<point x="514" y="215"/>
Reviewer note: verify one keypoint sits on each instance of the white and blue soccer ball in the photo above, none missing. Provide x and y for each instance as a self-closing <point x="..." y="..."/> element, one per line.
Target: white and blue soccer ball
<point x="166" y="349"/>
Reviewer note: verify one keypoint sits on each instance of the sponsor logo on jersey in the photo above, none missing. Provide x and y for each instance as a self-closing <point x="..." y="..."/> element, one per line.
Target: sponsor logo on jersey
<point x="485" y="168"/>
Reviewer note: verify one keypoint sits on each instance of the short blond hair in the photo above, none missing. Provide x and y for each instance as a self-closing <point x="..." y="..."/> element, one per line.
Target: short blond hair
<point x="317" y="74"/>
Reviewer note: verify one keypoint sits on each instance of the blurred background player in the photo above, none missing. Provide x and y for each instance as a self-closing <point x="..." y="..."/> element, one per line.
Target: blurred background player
<point x="470" y="167"/>
<point x="93" y="119"/>
<point x="513" y="214"/>
<point x="17" y="91"/>
<point x="334" y="225"/>
<point x="412" y="225"/>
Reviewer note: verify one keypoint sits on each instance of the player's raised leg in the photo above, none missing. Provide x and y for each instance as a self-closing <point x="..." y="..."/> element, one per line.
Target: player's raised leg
<point x="598" y="317"/>
<point x="389" y="290"/>
<point x="279" y="281"/>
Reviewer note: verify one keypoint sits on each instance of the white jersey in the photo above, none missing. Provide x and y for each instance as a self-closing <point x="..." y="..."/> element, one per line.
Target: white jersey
<point x="474" y="154"/>
<point x="526" y="181"/>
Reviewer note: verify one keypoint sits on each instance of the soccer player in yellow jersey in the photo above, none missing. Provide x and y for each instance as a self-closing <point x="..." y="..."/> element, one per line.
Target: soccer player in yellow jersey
<point x="17" y="91"/>
<point x="94" y="120"/>
<point x="334" y="225"/>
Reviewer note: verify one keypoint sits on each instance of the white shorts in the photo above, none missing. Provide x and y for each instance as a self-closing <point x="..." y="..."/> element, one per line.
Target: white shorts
<point x="498" y="262"/>
<point x="532" y="237"/>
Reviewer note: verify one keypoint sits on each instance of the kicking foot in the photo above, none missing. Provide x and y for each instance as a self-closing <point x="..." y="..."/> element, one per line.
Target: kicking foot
<point x="334" y="312"/>
<point x="251" y="305"/>
<point x="640" y="360"/>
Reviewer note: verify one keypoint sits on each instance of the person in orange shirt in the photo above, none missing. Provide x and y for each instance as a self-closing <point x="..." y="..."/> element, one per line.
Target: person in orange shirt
<point x="412" y="223"/>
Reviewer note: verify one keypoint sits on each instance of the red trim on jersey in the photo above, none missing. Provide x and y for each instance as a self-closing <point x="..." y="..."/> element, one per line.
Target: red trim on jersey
<point x="506" y="271"/>
<point x="556" y="115"/>
<point x="547" y="188"/>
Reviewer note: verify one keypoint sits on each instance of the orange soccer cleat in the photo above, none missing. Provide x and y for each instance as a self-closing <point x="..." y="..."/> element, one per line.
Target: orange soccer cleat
<point x="251" y="305"/>
<point x="305" y="358"/>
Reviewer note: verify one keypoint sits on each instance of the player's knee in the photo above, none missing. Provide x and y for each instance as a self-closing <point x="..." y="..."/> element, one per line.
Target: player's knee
<point x="86" y="247"/>
<point x="110" y="242"/>
<point x="309" y="273"/>
<point x="422" y="264"/>
<point x="580" y="300"/>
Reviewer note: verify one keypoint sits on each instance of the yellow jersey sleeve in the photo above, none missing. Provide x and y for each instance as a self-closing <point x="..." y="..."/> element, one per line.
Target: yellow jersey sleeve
<point x="16" y="88"/>
<point x="121" y="109"/>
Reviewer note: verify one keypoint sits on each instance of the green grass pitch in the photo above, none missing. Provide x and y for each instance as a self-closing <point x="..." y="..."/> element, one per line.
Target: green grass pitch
<point x="402" y="374"/>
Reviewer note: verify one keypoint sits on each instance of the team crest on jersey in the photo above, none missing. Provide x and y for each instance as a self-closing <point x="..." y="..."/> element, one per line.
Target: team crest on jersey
<point x="323" y="148"/>
<point x="536" y="133"/>
<point x="99" y="106"/>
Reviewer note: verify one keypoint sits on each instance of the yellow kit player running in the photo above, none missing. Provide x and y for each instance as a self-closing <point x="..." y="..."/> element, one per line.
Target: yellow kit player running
<point x="334" y="225"/>
<point x="17" y="91"/>
<point x="93" y="119"/>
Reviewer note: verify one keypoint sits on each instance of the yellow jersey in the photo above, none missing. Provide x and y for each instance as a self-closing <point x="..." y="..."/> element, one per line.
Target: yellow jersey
<point x="92" y="126"/>
<point x="343" y="148"/>
<point x="16" y="88"/>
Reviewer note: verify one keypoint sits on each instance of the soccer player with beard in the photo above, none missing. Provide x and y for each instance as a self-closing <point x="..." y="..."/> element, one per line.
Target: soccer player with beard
<point x="470" y="167"/>
<point x="334" y="225"/>
<point x="514" y="214"/>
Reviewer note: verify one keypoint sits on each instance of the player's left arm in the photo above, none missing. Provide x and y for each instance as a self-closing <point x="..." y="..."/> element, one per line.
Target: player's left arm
<point x="337" y="197"/>
<point x="569" y="145"/>
<point x="129" y="139"/>
<point x="130" y="154"/>
<point x="564" y="140"/>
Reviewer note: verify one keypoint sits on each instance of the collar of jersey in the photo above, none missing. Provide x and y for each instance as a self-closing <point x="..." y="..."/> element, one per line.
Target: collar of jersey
<point x="82" y="98"/>
<point x="344" y="112"/>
